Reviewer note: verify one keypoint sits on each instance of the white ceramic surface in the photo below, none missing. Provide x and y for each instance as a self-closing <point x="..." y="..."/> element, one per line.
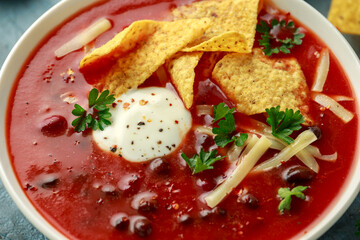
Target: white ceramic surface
<point x="64" y="9"/>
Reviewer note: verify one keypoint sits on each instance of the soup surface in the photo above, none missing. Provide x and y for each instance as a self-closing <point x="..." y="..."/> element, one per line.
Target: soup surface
<point x="85" y="192"/>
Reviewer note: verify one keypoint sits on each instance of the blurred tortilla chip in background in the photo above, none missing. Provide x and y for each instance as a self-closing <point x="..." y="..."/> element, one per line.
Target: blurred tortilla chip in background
<point x="233" y="24"/>
<point x="345" y="15"/>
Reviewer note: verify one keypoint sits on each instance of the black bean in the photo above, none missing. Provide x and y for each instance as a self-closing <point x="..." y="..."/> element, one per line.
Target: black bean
<point x="219" y="211"/>
<point x="159" y="166"/>
<point x="205" y="214"/>
<point x="185" y="219"/>
<point x="50" y="182"/>
<point x="210" y="214"/>
<point x="110" y="191"/>
<point x="249" y="200"/>
<point x="148" y="205"/>
<point x="129" y="184"/>
<point x="298" y="174"/>
<point x="120" y="221"/>
<point x="316" y="130"/>
<point x="206" y="184"/>
<point x="142" y="227"/>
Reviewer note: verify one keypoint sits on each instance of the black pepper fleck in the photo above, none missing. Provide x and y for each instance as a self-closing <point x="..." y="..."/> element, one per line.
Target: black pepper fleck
<point x="160" y="130"/>
<point x="113" y="148"/>
<point x="141" y="123"/>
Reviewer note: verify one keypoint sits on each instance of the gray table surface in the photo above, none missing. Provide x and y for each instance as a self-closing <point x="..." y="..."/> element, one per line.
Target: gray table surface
<point x="15" y="17"/>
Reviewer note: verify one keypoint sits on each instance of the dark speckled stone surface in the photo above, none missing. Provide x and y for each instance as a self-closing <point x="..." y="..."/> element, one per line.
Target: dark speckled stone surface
<point x="15" y="17"/>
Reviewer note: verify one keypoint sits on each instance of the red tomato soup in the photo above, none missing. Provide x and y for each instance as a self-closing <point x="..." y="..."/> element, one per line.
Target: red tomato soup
<point x="87" y="193"/>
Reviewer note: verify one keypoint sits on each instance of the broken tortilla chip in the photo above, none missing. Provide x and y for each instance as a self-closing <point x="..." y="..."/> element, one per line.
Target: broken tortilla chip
<point x="233" y="24"/>
<point x="121" y="43"/>
<point x="148" y="54"/>
<point x="255" y="82"/>
<point x="182" y="71"/>
<point x="345" y="15"/>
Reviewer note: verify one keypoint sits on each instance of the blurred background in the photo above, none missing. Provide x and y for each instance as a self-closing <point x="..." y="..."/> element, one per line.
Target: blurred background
<point x="15" y="17"/>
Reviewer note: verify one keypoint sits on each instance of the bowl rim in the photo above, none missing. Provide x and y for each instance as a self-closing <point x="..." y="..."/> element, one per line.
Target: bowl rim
<point x="350" y="64"/>
<point x="13" y="64"/>
<point x="43" y="25"/>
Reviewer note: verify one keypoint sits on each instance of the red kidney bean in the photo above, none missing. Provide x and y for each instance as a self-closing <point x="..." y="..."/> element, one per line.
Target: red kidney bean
<point x="54" y="126"/>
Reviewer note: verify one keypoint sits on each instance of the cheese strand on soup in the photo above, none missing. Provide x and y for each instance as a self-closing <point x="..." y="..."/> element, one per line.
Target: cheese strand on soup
<point x="85" y="37"/>
<point x="303" y="140"/>
<point x="239" y="173"/>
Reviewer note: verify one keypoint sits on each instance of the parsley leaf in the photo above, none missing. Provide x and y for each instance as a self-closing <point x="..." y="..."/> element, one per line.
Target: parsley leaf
<point x="286" y="194"/>
<point x="240" y="140"/>
<point x="100" y="112"/>
<point x="285" y="44"/>
<point x="203" y="161"/>
<point x="284" y="123"/>
<point x="80" y="122"/>
<point x="221" y="110"/>
<point x="226" y="127"/>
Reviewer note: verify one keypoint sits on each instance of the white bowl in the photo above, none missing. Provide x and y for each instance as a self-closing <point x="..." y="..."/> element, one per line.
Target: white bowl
<point x="64" y="9"/>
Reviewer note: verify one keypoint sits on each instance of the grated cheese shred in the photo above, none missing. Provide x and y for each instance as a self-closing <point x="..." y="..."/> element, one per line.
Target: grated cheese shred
<point x="242" y="169"/>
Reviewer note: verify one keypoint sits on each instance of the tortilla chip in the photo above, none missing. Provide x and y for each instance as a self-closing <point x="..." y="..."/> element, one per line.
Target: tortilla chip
<point x="345" y="15"/>
<point x="134" y="67"/>
<point x="121" y="43"/>
<point x="233" y="25"/>
<point x="182" y="71"/>
<point x="255" y="82"/>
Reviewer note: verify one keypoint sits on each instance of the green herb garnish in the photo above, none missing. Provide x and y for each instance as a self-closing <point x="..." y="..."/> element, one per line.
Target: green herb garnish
<point x="285" y="44"/>
<point x="98" y="119"/>
<point x="284" y="123"/>
<point x="203" y="161"/>
<point x="226" y="127"/>
<point x="286" y="194"/>
<point x="221" y="110"/>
